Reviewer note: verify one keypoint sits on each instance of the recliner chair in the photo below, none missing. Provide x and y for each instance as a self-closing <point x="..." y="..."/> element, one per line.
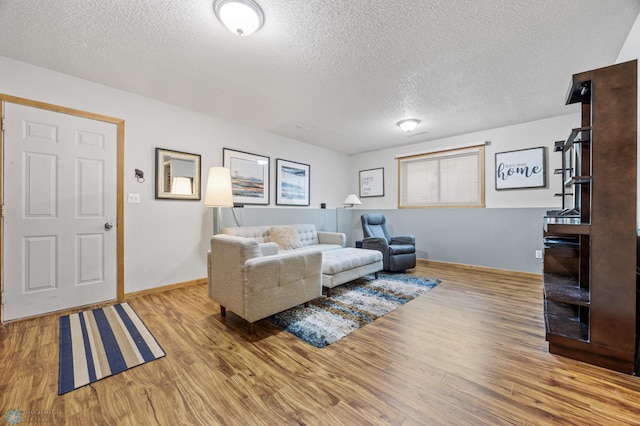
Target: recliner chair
<point x="398" y="253"/>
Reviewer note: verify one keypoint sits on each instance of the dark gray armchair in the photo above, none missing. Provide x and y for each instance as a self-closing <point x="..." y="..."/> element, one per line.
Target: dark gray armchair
<point x="398" y="253"/>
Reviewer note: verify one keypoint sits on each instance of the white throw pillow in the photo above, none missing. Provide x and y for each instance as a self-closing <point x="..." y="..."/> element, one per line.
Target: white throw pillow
<point x="285" y="236"/>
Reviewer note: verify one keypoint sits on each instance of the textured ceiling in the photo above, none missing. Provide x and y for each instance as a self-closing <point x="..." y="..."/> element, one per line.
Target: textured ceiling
<point x="333" y="73"/>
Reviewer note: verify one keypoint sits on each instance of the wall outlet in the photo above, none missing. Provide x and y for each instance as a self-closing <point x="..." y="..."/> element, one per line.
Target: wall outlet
<point x="538" y="254"/>
<point x="134" y="199"/>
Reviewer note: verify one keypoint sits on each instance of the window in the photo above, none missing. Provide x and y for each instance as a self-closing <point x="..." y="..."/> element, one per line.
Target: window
<point x="453" y="178"/>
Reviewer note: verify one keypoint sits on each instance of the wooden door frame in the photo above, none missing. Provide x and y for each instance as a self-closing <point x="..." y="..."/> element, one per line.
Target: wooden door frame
<point x="120" y="179"/>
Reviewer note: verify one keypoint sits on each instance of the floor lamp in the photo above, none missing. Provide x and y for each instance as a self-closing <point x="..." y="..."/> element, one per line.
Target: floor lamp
<point x="348" y="202"/>
<point x="218" y="194"/>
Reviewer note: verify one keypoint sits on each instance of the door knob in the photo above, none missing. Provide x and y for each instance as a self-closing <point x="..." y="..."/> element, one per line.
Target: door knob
<point x="108" y="226"/>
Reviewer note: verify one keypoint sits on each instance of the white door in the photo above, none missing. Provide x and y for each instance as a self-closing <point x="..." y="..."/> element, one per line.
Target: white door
<point x="60" y="200"/>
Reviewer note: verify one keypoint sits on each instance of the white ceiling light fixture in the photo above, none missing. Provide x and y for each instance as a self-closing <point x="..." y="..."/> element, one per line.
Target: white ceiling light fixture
<point x="409" y="124"/>
<point x="242" y="17"/>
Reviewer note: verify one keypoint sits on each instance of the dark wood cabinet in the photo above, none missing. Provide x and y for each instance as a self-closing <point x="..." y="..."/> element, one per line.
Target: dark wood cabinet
<point x="590" y="247"/>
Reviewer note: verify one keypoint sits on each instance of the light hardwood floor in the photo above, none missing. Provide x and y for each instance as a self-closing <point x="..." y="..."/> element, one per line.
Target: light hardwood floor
<point x="469" y="352"/>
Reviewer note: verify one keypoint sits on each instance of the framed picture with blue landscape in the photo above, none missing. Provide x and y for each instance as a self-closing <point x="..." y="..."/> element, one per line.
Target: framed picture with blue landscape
<point x="249" y="176"/>
<point x="292" y="183"/>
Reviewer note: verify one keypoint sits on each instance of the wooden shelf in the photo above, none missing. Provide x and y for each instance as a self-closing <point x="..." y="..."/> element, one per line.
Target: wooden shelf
<point x="568" y="228"/>
<point x="564" y="320"/>
<point x="561" y="252"/>
<point x="565" y="289"/>
<point x="571" y="328"/>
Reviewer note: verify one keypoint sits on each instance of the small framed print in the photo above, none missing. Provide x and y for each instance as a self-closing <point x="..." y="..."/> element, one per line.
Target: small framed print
<point x="249" y="176"/>
<point x="372" y="183"/>
<point x="524" y="168"/>
<point x="292" y="183"/>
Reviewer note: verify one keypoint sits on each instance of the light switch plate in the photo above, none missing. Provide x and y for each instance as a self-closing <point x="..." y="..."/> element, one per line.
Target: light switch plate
<point x="134" y="198"/>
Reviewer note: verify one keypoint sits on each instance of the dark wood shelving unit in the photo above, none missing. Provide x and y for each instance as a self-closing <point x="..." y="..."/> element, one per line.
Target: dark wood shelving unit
<point x="565" y="289"/>
<point x="590" y="250"/>
<point x="562" y="252"/>
<point x="567" y="324"/>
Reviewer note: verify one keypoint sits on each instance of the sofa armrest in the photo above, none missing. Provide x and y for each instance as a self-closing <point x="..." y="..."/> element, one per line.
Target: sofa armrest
<point x="275" y="283"/>
<point x="269" y="249"/>
<point x="209" y="273"/>
<point x="339" y="238"/>
<point x="375" y="243"/>
<point x="403" y="239"/>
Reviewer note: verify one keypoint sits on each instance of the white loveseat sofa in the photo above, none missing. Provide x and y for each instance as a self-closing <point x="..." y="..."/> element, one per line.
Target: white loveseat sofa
<point x="254" y="286"/>
<point x="256" y="271"/>
<point x="310" y="238"/>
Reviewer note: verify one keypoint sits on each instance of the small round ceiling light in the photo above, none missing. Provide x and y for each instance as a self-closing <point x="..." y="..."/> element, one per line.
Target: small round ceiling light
<point x="241" y="17"/>
<point x="409" y="124"/>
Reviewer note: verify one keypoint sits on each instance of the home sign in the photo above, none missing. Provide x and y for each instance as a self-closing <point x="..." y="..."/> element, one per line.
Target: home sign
<point x="524" y="168"/>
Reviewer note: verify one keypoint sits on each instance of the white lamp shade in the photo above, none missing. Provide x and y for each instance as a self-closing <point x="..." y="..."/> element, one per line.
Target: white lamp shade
<point x="219" y="193"/>
<point x="181" y="186"/>
<point x="351" y="200"/>
<point x="241" y="17"/>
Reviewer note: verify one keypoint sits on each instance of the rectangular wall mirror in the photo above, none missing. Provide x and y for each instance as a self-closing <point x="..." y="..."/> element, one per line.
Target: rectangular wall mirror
<point x="177" y="175"/>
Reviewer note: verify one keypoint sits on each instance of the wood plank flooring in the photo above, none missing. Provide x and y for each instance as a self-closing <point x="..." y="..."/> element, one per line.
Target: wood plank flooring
<point x="469" y="352"/>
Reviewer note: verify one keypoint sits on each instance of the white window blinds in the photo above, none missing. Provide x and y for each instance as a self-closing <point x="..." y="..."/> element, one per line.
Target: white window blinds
<point x="443" y="179"/>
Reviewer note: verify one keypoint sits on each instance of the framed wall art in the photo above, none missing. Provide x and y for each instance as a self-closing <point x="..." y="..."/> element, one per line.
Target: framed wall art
<point x="372" y="183"/>
<point x="524" y="168"/>
<point x="249" y="176"/>
<point x="292" y="183"/>
<point x="177" y="175"/>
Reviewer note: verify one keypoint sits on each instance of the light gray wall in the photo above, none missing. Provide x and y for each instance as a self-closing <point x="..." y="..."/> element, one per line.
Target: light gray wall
<point x="498" y="238"/>
<point x="324" y="219"/>
<point x="505" y="238"/>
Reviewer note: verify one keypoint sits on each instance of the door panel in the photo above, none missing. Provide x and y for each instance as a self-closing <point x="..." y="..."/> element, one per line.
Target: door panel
<point x="89" y="249"/>
<point x="60" y="188"/>
<point x="40" y="182"/>
<point x="40" y="254"/>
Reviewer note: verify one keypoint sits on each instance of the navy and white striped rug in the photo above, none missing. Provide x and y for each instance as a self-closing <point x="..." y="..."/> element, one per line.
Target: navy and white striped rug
<point x="102" y="342"/>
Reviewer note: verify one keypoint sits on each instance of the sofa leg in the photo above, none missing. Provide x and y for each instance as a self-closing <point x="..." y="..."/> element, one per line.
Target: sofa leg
<point x="305" y="304"/>
<point x="377" y="274"/>
<point x="252" y="328"/>
<point x="328" y="292"/>
<point x="223" y="311"/>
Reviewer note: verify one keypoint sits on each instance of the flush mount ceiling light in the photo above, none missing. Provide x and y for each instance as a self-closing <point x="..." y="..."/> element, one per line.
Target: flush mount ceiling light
<point x="408" y="124"/>
<point x="242" y="17"/>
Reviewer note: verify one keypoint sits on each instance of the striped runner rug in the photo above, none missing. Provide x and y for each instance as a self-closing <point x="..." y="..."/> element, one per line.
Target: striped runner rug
<point x="99" y="343"/>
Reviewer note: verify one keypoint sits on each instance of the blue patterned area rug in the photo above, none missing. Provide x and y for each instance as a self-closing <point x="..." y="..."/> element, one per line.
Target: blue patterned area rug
<point x="351" y="306"/>
<point x="102" y="342"/>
